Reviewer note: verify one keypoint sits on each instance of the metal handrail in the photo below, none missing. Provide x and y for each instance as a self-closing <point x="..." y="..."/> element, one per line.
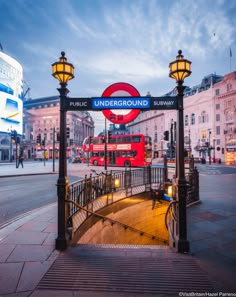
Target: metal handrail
<point x="104" y="218"/>
<point x="171" y="216"/>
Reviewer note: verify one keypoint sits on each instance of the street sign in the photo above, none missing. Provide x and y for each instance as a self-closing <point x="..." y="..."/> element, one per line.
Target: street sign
<point x="163" y="103"/>
<point x="78" y="104"/>
<point x="122" y="102"/>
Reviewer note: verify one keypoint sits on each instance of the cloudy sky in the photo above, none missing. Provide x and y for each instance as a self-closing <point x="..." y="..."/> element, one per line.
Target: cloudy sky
<point x="111" y="41"/>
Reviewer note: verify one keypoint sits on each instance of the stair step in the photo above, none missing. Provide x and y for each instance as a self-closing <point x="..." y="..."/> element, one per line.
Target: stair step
<point x="125" y="268"/>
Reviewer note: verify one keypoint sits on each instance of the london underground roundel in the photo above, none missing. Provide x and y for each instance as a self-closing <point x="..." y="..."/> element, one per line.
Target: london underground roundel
<point x="123" y="116"/>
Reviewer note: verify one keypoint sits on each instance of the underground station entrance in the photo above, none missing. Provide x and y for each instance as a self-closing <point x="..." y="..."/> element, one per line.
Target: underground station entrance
<point x="123" y="212"/>
<point x="125" y="200"/>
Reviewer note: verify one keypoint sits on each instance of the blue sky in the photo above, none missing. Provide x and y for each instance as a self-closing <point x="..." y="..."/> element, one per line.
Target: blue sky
<point x="111" y="41"/>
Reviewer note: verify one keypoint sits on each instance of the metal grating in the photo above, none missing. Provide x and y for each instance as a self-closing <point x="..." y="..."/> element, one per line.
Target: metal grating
<point x="125" y="269"/>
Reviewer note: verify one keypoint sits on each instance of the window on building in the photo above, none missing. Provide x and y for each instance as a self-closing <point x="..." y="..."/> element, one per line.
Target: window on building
<point x="217" y="92"/>
<point x="203" y="118"/>
<point x="217" y="130"/>
<point x="229" y="103"/>
<point x="186" y="120"/>
<point x="217" y="117"/>
<point x="192" y="119"/>
<point x="155" y="137"/>
<point x="5" y="141"/>
<point x="218" y="141"/>
<point x="204" y="134"/>
<point x="229" y="86"/>
<point x="229" y="115"/>
<point x="217" y="106"/>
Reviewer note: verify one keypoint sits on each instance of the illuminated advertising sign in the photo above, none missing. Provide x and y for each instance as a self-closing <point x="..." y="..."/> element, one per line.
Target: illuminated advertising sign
<point x="111" y="147"/>
<point x="11" y="90"/>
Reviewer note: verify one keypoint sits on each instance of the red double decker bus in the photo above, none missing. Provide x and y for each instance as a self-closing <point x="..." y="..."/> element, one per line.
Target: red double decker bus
<point x="122" y="150"/>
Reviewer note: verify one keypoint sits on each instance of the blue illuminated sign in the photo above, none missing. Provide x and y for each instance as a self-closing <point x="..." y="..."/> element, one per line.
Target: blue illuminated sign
<point x="120" y="103"/>
<point x="109" y="103"/>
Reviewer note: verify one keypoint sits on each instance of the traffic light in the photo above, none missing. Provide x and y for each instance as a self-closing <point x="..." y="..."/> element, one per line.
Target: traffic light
<point x="67" y="132"/>
<point x="58" y="136"/>
<point x="109" y="133"/>
<point x="39" y="138"/>
<point x="13" y="135"/>
<point x="166" y="135"/>
<point x="90" y="139"/>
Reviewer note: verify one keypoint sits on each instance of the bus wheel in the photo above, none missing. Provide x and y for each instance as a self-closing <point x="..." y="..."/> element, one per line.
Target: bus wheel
<point x="95" y="162"/>
<point x="127" y="164"/>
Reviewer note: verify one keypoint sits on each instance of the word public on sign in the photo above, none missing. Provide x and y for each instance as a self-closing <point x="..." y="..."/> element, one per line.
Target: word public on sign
<point x="136" y="102"/>
<point x="78" y="104"/>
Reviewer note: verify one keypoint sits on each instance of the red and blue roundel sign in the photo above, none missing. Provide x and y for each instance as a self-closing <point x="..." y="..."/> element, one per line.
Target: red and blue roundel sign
<point x="118" y="116"/>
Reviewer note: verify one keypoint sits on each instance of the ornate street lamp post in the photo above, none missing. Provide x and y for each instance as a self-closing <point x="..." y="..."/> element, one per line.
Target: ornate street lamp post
<point x="64" y="72"/>
<point x="179" y="70"/>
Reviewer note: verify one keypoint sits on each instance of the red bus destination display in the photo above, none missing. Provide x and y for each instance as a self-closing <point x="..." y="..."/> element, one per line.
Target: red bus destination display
<point x="130" y="102"/>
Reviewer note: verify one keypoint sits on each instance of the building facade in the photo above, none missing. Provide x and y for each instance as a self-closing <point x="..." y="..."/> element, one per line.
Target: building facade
<point x="42" y="121"/>
<point x="209" y="121"/>
<point x="225" y="116"/>
<point x="11" y="104"/>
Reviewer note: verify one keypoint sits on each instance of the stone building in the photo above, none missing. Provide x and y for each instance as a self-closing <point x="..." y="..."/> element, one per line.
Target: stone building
<point x="209" y="121"/>
<point x="225" y="116"/>
<point x="41" y="120"/>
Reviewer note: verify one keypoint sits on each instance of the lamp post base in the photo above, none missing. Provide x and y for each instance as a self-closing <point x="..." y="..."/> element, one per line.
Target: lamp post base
<point x="183" y="246"/>
<point x="61" y="244"/>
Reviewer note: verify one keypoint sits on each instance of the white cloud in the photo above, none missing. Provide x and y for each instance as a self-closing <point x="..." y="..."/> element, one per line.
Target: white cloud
<point x="109" y="41"/>
<point x="128" y="64"/>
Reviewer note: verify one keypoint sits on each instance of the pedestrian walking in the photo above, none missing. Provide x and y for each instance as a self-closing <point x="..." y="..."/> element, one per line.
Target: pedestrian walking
<point x="21" y="159"/>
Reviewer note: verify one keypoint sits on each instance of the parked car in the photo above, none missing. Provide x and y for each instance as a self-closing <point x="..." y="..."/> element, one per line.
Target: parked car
<point x="76" y="159"/>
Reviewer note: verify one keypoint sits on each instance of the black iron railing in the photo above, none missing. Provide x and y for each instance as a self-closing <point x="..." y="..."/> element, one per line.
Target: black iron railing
<point x="89" y="189"/>
<point x="100" y="190"/>
<point x="170" y="221"/>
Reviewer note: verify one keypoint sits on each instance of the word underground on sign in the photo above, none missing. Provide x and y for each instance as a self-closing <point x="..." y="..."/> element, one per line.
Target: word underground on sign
<point x="120" y="102"/>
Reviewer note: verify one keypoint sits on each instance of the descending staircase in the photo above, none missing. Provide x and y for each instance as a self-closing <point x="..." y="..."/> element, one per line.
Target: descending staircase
<point x="109" y="269"/>
<point x="129" y="221"/>
<point x="110" y="260"/>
